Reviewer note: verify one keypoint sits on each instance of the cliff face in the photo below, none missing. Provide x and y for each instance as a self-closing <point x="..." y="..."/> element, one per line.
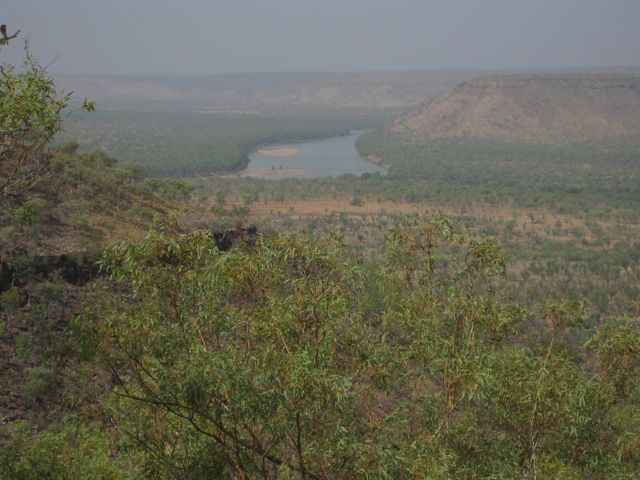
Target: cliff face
<point x="532" y="108"/>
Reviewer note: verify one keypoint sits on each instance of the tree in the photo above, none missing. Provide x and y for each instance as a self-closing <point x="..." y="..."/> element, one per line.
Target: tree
<point x="30" y="117"/>
<point x="240" y="362"/>
<point x="263" y="362"/>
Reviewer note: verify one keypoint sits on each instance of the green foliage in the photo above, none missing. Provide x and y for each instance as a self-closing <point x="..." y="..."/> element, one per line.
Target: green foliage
<point x="69" y="147"/>
<point x="23" y="345"/>
<point x="257" y="337"/>
<point x="23" y="267"/>
<point x="531" y="175"/>
<point x="293" y="358"/>
<point x="30" y="116"/>
<point x="240" y="212"/>
<point x="30" y="213"/>
<point x="11" y="299"/>
<point x="264" y="362"/>
<point x="88" y="105"/>
<point x="170" y="189"/>
<point x="70" y="451"/>
<point x="48" y="292"/>
<point x="8" y="236"/>
<point x="357" y="201"/>
<point x="96" y="183"/>
<point x="617" y="346"/>
<point x="41" y="381"/>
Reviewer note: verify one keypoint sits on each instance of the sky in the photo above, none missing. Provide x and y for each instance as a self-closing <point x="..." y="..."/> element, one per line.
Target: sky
<point x="183" y="37"/>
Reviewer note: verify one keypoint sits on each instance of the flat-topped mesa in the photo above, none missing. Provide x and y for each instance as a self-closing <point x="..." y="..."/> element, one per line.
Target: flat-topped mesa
<point x="575" y="81"/>
<point x="541" y="108"/>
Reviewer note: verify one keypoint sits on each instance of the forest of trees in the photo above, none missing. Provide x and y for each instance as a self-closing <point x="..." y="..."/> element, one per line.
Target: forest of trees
<point x="178" y="143"/>
<point x="532" y="175"/>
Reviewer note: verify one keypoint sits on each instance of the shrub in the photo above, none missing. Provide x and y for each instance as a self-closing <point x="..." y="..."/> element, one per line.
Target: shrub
<point x="12" y="299"/>
<point x="357" y="201"/>
<point x="23" y="267"/>
<point x="8" y="236"/>
<point x="23" y="345"/>
<point x="31" y="212"/>
<point x="41" y="381"/>
<point x="61" y="452"/>
<point x="47" y="292"/>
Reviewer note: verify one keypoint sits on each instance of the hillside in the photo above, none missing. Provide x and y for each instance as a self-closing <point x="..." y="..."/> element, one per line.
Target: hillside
<point x="546" y="108"/>
<point x="382" y="91"/>
<point x="264" y="92"/>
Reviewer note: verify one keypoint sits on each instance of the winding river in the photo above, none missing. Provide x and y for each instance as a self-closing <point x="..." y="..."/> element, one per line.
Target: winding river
<point x="329" y="157"/>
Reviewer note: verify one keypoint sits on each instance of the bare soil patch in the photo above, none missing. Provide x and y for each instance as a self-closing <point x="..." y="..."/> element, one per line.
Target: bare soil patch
<point x="268" y="173"/>
<point x="278" y="152"/>
<point x="327" y="206"/>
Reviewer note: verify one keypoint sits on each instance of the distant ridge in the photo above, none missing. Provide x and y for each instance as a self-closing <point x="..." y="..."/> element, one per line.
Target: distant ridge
<point x="538" y="108"/>
<point x="266" y="92"/>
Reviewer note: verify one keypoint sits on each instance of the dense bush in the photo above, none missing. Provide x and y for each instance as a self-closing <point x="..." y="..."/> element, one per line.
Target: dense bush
<point x="65" y="452"/>
<point x="264" y="363"/>
<point x="41" y="382"/>
<point x="532" y="175"/>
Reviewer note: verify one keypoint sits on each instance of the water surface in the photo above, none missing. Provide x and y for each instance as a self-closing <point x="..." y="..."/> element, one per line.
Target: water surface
<point x="330" y="157"/>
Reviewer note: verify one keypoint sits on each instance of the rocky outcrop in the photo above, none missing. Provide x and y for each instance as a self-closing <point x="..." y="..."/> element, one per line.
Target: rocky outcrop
<point x="79" y="269"/>
<point x="74" y="269"/>
<point x="226" y="239"/>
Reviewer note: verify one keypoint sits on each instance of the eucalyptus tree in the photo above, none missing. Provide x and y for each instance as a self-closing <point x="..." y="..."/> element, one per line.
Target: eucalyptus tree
<point x="31" y="115"/>
<point x="293" y="358"/>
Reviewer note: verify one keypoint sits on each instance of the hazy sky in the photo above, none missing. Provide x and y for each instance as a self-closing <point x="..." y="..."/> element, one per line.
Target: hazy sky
<point x="198" y="36"/>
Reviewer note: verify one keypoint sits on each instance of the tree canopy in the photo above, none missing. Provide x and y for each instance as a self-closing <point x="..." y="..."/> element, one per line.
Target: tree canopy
<point x="283" y="361"/>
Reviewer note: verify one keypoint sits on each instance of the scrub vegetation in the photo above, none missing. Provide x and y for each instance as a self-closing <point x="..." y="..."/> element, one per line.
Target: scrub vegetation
<point x="471" y="314"/>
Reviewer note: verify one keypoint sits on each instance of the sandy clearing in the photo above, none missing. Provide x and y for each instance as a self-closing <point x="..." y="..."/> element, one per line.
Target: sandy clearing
<point x="278" y="152"/>
<point x="325" y="206"/>
<point x="378" y="161"/>
<point x="267" y="173"/>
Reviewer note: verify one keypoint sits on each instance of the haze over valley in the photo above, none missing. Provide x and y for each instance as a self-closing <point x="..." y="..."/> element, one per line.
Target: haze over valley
<point x="320" y="240"/>
<point x="267" y="92"/>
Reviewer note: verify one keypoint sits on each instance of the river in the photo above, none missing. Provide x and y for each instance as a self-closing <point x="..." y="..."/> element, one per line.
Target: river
<point x="329" y="157"/>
